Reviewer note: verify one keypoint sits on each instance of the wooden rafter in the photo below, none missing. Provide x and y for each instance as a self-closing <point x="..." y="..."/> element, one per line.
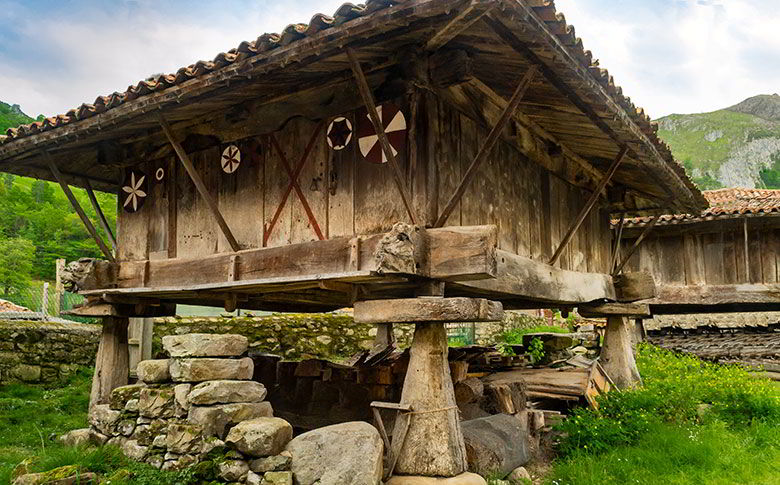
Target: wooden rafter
<point x="474" y="11"/>
<point x="77" y="207"/>
<point x="101" y="217"/>
<point x="199" y="185"/>
<point x="294" y="185"/>
<point x="387" y="149"/>
<point x="594" y="197"/>
<point x="520" y="47"/>
<point x="486" y="148"/>
<point x="638" y="241"/>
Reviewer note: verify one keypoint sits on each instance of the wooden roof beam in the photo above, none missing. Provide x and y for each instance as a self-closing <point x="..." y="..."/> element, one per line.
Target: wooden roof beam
<point x="77" y="207"/>
<point x="474" y="10"/>
<point x="202" y="190"/>
<point x="594" y="197"/>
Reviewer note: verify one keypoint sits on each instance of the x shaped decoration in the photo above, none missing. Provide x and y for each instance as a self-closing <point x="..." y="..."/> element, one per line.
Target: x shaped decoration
<point x="294" y="185"/>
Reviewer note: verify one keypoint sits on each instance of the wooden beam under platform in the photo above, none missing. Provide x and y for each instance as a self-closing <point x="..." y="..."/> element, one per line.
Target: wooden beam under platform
<point x="428" y="309"/>
<point x="684" y="299"/>
<point x="636" y="310"/>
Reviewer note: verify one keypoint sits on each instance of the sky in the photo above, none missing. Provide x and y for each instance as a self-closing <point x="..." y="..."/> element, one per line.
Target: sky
<point x="670" y="56"/>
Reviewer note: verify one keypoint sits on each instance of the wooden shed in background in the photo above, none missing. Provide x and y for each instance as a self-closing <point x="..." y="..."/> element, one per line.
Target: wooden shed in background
<point x="724" y="259"/>
<point x="424" y="160"/>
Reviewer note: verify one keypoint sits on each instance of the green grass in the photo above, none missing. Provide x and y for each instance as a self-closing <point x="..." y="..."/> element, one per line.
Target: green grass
<point x="32" y="416"/>
<point x="693" y="422"/>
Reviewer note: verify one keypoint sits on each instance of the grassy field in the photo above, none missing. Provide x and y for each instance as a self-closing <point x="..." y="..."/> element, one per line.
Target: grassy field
<point x="692" y="423"/>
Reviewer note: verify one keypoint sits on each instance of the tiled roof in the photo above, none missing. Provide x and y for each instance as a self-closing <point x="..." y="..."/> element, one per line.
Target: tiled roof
<point x="724" y="204"/>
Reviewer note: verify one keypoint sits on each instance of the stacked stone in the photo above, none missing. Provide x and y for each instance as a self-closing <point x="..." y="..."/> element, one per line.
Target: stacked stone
<point x="200" y="399"/>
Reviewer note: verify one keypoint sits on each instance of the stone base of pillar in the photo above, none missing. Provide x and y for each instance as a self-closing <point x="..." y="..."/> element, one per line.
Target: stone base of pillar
<point x="462" y="479"/>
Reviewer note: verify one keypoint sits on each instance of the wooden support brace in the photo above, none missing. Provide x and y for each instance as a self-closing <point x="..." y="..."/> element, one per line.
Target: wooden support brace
<point x="387" y="149"/>
<point x="638" y="241"/>
<point x="101" y="217"/>
<point x="491" y="140"/>
<point x="616" y="245"/>
<point x="428" y="309"/>
<point x="77" y="207"/>
<point x="594" y="197"/>
<point x="199" y="185"/>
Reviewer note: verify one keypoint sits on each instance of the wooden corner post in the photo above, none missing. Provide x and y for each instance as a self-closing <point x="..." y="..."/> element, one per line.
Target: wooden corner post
<point x="112" y="361"/>
<point x="617" y="354"/>
<point x="427" y="438"/>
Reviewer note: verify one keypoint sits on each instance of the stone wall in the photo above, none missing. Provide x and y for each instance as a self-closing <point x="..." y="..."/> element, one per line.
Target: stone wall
<point x="45" y="352"/>
<point x="320" y="335"/>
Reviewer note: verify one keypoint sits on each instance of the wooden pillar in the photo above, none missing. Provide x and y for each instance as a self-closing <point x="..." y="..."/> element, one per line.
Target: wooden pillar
<point x="434" y="441"/>
<point x="427" y="439"/>
<point x="617" y="355"/>
<point x="111" y="363"/>
<point x="384" y="335"/>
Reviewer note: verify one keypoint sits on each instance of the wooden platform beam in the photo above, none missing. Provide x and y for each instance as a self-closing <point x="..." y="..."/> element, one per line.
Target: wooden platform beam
<point x="635" y="310"/>
<point x="428" y="309"/>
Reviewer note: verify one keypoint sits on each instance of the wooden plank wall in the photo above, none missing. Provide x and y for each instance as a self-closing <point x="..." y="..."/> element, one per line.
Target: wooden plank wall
<point x="705" y="255"/>
<point x="349" y="196"/>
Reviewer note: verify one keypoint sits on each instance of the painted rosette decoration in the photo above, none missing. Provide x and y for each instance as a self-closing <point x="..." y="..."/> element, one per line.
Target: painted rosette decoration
<point x="231" y="159"/>
<point x="394" y="124"/>
<point x="339" y="133"/>
<point x="134" y="190"/>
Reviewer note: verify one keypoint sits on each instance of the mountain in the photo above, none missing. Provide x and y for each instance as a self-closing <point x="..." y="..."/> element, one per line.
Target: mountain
<point x="737" y="146"/>
<point x="11" y="116"/>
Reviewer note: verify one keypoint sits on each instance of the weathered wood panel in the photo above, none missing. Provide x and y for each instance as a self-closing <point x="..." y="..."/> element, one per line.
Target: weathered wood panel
<point x="133" y="228"/>
<point x="241" y="196"/>
<point x="197" y="231"/>
<point x="341" y="189"/>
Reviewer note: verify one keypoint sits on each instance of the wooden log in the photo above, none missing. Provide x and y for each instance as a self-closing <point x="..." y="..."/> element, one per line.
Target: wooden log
<point x="451" y="253"/>
<point x="459" y="369"/>
<point x="636" y="286"/>
<point x="428" y="309"/>
<point x="617" y="355"/>
<point x="433" y="445"/>
<point x="112" y="362"/>
<point x="469" y="390"/>
<point x="523" y="278"/>
<point x="606" y="309"/>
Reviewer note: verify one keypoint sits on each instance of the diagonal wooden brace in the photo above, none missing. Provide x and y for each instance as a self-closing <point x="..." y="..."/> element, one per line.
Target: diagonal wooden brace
<point x="594" y="197"/>
<point x="77" y="207"/>
<point x="639" y="240"/>
<point x="387" y="149"/>
<point x="202" y="190"/>
<point x="490" y="142"/>
<point x="101" y="217"/>
<point x="294" y="185"/>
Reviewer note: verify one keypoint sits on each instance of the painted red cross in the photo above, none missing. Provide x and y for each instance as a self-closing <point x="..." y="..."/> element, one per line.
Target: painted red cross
<point x="294" y="185"/>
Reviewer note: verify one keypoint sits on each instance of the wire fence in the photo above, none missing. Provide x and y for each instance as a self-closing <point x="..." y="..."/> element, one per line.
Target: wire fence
<point x="40" y="301"/>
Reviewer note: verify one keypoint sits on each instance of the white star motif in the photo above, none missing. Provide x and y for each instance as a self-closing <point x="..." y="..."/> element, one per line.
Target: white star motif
<point x="134" y="191"/>
<point x="231" y="159"/>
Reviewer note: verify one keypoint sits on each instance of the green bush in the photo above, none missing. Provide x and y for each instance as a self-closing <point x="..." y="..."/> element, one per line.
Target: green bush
<point x="679" y="389"/>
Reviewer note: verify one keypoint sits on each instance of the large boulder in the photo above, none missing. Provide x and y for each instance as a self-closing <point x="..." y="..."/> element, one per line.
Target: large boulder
<point x="261" y="436"/>
<point x="215" y="420"/>
<point x="199" y="370"/>
<point x="153" y="371"/>
<point x="224" y="392"/>
<point x="495" y="444"/>
<point x="341" y="454"/>
<point x="205" y="345"/>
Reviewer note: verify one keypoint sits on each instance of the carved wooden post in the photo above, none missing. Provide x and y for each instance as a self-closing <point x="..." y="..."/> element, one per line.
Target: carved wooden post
<point x="617" y="355"/>
<point x="428" y="441"/>
<point x="384" y="335"/>
<point x="111" y="363"/>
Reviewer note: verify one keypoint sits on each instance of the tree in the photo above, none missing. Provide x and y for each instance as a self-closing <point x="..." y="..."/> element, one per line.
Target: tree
<point x="16" y="264"/>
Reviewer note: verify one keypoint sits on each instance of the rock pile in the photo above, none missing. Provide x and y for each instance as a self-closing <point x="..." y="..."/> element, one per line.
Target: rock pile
<point x="198" y="401"/>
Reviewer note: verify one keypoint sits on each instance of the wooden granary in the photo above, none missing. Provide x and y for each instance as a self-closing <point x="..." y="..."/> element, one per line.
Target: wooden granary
<point x="423" y="160"/>
<point x="724" y="259"/>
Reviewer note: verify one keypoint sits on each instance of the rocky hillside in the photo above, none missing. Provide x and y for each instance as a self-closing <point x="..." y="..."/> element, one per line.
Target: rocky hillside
<point x="11" y="116"/>
<point x="733" y="147"/>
